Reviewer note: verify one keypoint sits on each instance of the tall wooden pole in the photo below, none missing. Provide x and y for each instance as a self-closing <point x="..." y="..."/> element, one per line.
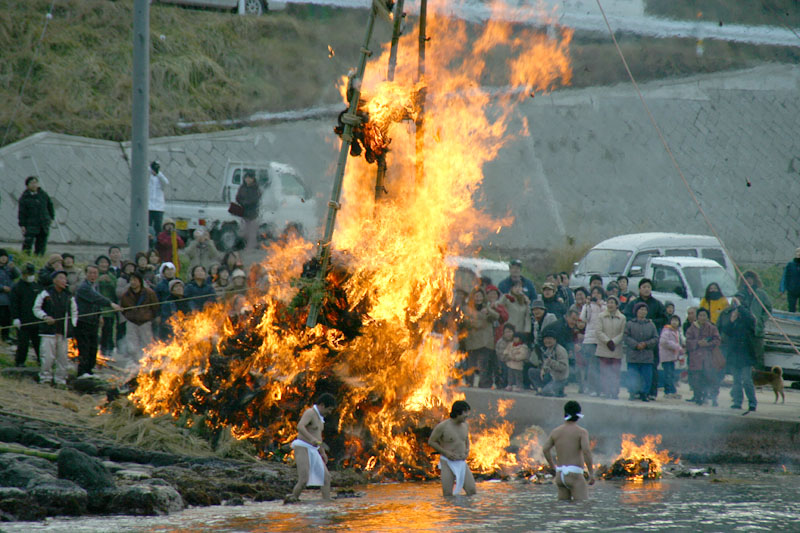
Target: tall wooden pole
<point x="140" y="125"/>
<point x="420" y="122"/>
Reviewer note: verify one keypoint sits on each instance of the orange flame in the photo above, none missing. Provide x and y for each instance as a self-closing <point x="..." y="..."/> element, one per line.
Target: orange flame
<point x="639" y="462"/>
<point x="394" y="370"/>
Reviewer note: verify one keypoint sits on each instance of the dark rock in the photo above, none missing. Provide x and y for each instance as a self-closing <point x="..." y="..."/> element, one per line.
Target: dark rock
<point x="86" y="447"/>
<point x="18" y="470"/>
<point x="9" y="433"/>
<point x="15" y="504"/>
<point x="33" y="438"/>
<point x="59" y="497"/>
<point x="84" y="470"/>
<point x="200" y="496"/>
<point x="122" y="454"/>
<point x="236" y="500"/>
<point x="146" y="498"/>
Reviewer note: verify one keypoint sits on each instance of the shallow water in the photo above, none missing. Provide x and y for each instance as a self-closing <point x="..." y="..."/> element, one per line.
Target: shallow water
<point x="741" y="500"/>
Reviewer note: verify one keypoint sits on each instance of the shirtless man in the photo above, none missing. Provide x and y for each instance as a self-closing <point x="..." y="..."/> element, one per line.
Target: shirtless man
<point x="309" y="450"/>
<point x="451" y="439"/>
<point x="572" y="449"/>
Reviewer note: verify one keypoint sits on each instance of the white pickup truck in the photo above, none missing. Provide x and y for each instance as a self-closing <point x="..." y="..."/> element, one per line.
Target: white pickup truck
<point x="286" y="205"/>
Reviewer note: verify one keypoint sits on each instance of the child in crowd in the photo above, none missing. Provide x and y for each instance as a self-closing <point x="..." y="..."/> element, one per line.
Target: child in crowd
<point x="515" y="355"/>
<point x="669" y="351"/>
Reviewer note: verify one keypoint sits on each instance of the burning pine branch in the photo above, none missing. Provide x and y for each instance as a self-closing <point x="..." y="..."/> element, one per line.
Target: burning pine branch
<point x="638" y="462"/>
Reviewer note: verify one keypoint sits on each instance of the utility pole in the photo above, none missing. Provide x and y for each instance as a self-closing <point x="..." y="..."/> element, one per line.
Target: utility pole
<point x="140" y="126"/>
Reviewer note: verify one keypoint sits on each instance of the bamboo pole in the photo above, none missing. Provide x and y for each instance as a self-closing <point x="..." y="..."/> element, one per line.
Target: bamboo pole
<point x="350" y="119"/>
<point x="420" y="122"/>
<point x="5" y="448"/>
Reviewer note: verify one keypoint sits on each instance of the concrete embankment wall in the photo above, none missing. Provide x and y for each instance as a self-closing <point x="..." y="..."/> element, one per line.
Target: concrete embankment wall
<point x="695" y="434"/>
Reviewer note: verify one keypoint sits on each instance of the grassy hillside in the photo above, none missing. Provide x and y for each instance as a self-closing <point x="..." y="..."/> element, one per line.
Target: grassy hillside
<point x="207" y="65"/>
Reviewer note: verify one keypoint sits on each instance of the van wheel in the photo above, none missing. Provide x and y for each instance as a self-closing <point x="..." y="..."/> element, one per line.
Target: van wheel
<point x="254" y="7"/>
<point x="228" y="237"/>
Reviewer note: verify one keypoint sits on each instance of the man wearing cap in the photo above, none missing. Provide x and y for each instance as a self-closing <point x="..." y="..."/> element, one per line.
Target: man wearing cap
<point x="8" y="273"/>
<point x="555" y="366"/>
<point x="90" y="304"/>
<point x="572" y="451"/>
<point x="140" y="305"/>
<point x="35" y="214"/>
<point x="164" y="241"/>
<point x="790" y="282"/>
<point x="551" y="301"/>
<point x="54" y="263"/>
<point x="156" y="202"/>
<point x="22" y="297"/>
<point x="515" y="274"/>
<point x="57" y="308"/>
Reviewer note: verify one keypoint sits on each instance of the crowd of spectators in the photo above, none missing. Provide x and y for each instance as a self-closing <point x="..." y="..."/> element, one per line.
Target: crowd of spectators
<point x="518" y="339"/>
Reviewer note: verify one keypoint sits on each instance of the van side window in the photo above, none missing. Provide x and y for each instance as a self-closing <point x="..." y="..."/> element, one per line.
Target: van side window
<point x="715" y="254"/>
<point x="667" y="279"/>
<point x="641" y="258"/>
<point x="237" y="177"/>
<point x="683" y="252"/>
<point x="290" y="186"/>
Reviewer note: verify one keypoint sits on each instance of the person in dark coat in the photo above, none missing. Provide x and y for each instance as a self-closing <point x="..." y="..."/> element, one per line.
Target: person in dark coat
<point x="90" y="303"/>
<point x="172" y="305"/>
<point x="655" y="312"/>
<point x="8" y="273"/>
<point x="640" y="339"/>
<point x="34" y="216"/>
<point x="790" y="282"/>
<point x="515" y="274"/>
<point x="753" y="296"/>
<point x="199" y="291"/>
<point x="22" y="297"/>
<point x="736" y="327"/>
<point x="249" y="197"/>
<point x="551" y="302"/>
<point x="54" y="263"/>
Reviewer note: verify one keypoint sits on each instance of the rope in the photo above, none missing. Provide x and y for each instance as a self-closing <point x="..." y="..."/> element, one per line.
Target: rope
<point x="685" y="181"/>
<point x="47" y="19"/>
<point x="246" y="289"/>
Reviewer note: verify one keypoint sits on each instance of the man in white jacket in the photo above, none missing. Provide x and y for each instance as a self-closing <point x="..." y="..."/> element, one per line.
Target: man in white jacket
<point x="158" y="182"/>
<point x="57" y="308"/>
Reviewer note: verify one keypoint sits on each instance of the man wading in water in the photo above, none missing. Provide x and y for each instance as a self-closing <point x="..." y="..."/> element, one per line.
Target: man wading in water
<point x="451" y="439"/>
<point x="309" y="450"/>
<point x="572" y="449"/>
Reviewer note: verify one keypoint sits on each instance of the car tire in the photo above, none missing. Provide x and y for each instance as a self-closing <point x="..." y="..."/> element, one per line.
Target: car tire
<point x="254" y="7"/>
<point x="228" y="237"/>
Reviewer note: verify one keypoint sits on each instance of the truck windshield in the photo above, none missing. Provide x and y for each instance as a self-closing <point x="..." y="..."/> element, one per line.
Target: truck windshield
<point x="699" y="278"/>
<point x="604" y="262"/>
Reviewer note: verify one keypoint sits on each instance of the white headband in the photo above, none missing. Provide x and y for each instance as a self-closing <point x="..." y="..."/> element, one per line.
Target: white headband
<point x="567" y="417"/>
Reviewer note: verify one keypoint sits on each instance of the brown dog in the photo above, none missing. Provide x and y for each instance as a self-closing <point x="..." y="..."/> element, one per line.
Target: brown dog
<point x="773" y="378"/>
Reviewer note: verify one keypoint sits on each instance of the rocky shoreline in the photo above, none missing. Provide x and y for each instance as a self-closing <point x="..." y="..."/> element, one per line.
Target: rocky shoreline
<point x="50" y="468"/>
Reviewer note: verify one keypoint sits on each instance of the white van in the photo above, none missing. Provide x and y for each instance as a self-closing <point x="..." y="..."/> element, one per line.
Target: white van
<point x="469" y="269"/>
<point x="628" y="255"/>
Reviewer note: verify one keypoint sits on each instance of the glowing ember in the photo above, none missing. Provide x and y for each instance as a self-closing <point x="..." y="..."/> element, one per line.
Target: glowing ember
<point x="375" y="347"/>
<point x="639" y="462"/>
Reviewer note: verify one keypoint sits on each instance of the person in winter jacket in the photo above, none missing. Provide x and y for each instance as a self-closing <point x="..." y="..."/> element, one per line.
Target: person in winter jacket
<point x="107" y="286"/>
<point x="22" y="297"/>
<point x="555" y="366"/>
<point x="515" y="274"/>
<point x="514" y="355"/>
<point x="249" y="197"/>
<point x="34" y="216"/>
<point x="479" y="343"/>
<point x="714" y="301"/>
<point x="551" y="301"/>
<point x="737" y="327"/>
<point x="504" y="341"/>
<point x="518" y="307"/>
<point x="90" y="303"/>
<point x="587" y="365"/>
<point x="199" y="291"/>
<point x="493" y="297"/>
<point x="156" y="201"/>
<point x="164" y="241"/>
<point x="172" y="305"/>
<point x="640" y="338"/>
<point x="702" y="340"/>
<point x="201" y="250"/>
<point x="609" y="334"/>
<point x="8" y="273"/>
<point x="54" y="263"/>
<point x="790" y="282"/>
<point x="760" y="308"/>
<point x="140" y="306"/>
<point x="669" y="351"/>
<point x="57" y="308"/>
<point x="655" y="312"/>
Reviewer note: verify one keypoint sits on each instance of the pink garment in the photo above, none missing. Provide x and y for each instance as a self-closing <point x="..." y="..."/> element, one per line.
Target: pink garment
<point x="669" y="345"/>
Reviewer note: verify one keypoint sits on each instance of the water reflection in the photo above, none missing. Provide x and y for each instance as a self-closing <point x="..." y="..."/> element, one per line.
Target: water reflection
<point x="749" y="502"/>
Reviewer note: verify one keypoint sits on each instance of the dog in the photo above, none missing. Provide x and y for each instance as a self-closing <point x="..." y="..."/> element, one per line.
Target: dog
<point x="773" y="378"/>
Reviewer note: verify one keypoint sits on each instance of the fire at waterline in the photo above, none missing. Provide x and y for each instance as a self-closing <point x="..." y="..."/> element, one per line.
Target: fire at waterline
<point x="379" y="340"/>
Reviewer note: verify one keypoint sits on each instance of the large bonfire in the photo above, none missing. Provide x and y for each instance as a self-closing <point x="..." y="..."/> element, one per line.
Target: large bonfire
<point x="378" y="346"/>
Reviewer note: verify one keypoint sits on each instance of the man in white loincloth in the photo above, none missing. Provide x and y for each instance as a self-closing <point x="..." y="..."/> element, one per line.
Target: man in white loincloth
<point x="572" y="450"/>
<point x="309" y="450"/>
<point x="451" y="439"/>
